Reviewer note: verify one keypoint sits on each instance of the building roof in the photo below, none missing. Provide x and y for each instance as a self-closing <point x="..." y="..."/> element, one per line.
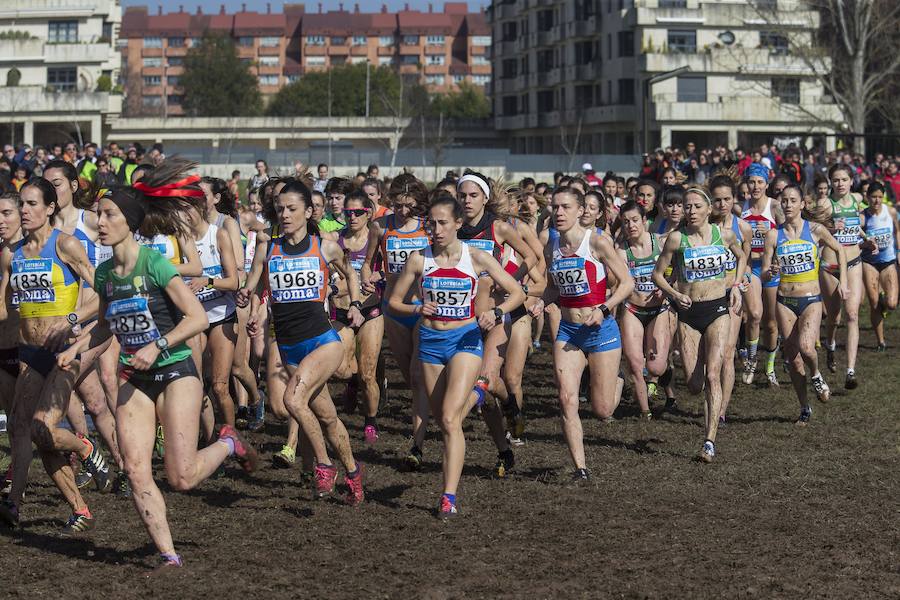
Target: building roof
<point x="252" y="23"/>
<point x="414" y="21"/>
<point x="476" y="24"/>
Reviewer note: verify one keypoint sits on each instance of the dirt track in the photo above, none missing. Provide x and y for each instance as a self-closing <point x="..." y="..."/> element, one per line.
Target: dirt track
<point x="783" y="512"/>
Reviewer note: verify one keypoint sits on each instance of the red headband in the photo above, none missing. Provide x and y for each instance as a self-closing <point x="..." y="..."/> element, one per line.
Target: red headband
<point x="176" y="189"/>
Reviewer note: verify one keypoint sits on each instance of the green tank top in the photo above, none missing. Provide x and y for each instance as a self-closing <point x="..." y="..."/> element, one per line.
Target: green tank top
<point x="642" y="268"/>
<point x="138" y="310"/>
<point x="851" y="234"/>
<point x="702" y="263"/>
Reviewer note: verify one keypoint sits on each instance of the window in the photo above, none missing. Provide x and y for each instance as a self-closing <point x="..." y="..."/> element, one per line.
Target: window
<point x="175" y="61"/>
<point x="408" y="59"/>
<point x="174" y="99"/>
<point x="436" y="40"/>
<point x="545" y="20"/>
<point x="458" y="79"/>
<point x="683" y="41"/>
<point x="245" y="41"/>
<point x="508" y="68"/>
<point x="173" y="80"/>
<point x="107" y="31"/>
<point x="360" y="40"/>
<point x="692" y="89"/>
<point x="62" y="79"/>
<point x="435" y="59"/>
<point x="481" y="79"/>
<point x="358" y="60"/>
<point x="584" y="52"/>
<point x="292" y="78"/>
<point x="152" y="80"/>
<point x="626" y="43"/>
<point x="787" y="90"/>
<point x="269" y="42"/>
<point x="626" y="91"/>
<point x="315" y="40"/>
<point x="480" y="60"/>
<point x="151" y="101"/>
<point x="776" y="42"/>
<point x="153" y="61"/>
<point x="481" y="40"/>
<point x="546" y="100"/>
<point x="268" y="61"/>
<point x="385" y="60"/>
<point x="338" y="40"/>
<point x="584" y="96"/>
<point x="176" y="42"/>
<point x="771" y="5"/>
<point x="410" y="40"/>
<point x="673" y="3"/>
<point x="268" y="80"/>
<point x="315" y="61"/>
<point x="584" y="9"/>
<point x="510" y="106"/>
<point x="509" y="31"/>
<point x="544" y="61"/>
<point x="152" y="42"/>
<point x="386" y="40"/>
<point x="434" y="80"/>
<point x="62" y="32"/>
<point x="195" y="42"/>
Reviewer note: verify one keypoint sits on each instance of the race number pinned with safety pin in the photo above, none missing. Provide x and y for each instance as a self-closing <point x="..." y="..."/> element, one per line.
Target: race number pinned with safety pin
<point x="297" y="279"/>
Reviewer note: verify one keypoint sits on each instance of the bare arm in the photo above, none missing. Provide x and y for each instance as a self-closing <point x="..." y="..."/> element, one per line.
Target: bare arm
<point x="234" y="232"/>
<point x="507" y="234"/>
<point x="412" y="270"/>
<point x="229" y="280"/>
<point x="193" y="267"/>
<point x="604" y="250"/>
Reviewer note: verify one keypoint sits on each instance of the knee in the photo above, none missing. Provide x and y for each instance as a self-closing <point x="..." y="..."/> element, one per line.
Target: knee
<point x="889" y="303"/>
<point x="180" y="482"/>
<point x="449" y="423"/>
<point x="754" y="314"/>
<point x="278" y="410"/>
<point x="221" y="390"/>
<point x="41" y="434"/>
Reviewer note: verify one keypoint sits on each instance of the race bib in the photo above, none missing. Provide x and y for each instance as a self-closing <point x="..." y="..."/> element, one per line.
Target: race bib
<point x="760" y="229"/>
<point x="32" y="278"/>
<point x="209" y="292"/>
<point x="132" y="323"/>
<point x="730" y="260"/>
<point x="570" y="276"/>
<point x="883" y="237"/>
<point x="399" y="249"/>
<point x="704" y="262"/>
<point x="849" y="235"/>
<point x="796" y="257"/>
<point x="486" y="245"/>
<point x="452" y="295"/>
<point x="295" y="279"/>
<point x="643" y="278"/>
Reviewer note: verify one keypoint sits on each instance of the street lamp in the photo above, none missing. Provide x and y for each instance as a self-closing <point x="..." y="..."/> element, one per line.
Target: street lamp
<point x="645" y="108"/>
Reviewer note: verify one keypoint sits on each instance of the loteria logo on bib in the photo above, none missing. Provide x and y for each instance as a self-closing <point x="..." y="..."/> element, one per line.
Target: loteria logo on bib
<point x="486" y="245"/>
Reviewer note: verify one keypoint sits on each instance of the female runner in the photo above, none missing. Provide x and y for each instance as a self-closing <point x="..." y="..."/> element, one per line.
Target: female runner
<point x="485" y="227"/>
<point x="699" y="252"/>
<point x="150" y="309"/>
<point x="880" y="259"/>
<point x="578" y="261"/>
<point x="671" y="212"/>
<point x="849" y="225"/>
<point x="215" y="291"/>
<point x="722" y="189"/>
<point x="793" y="252"/>
<point x="646" y="318"/>
<point x="297" y="274"/>
<point x="534" y="204"/>
<point x="762" y="213"/>
<point x="397" y="236"/>
<point x="44" y="269"/>
<point x="10" y="234"/>
<point x="374" y="191"/>
<point x="450" y="345"/>
<point x="362" y="346"/>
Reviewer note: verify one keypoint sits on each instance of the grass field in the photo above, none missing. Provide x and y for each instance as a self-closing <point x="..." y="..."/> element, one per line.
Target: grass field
<point x="784" y="512"/>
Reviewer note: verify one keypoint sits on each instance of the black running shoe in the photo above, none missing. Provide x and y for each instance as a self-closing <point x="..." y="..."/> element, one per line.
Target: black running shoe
<point x="671" y="405"/>
<point x="9" y="513"/>
<point x="581" y="476"/>
<point x="96" y="465"/>
<point x="413" y="459"/>
<point x="506" y="462"/>
<point x="242" y="418"/>
<point x="122" y="487"/>
<point x="76" y="525"/>
<point x="851" y="383"/>
<point x="83" y="479"/>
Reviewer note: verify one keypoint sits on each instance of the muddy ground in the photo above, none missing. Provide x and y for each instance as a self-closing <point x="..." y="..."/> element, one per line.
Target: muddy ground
<point x="783" y="512"/>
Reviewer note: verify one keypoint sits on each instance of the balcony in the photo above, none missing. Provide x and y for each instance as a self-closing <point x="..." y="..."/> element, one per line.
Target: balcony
<point x="549" y="78"/>
<point x="760" y="61"/>
<point x="25" y="100"/>
<point x="436" y="69"/>
<point x="752" y="106"/>
<point x="584" y="28"/>
<point x="19" y="51"/>
<point x="269" y="50"/>
<point x="342" y="50"/>
<point x="511" y="122"/>
<point x="387" y="50"/>
<point x="725" y="15"/>
<point x="314" y="50"/>
<point x="504" y="10"/>
<point x="148" y="52"/>
<point x="548" y="119"/>
<point x="587" y="72"/>
<point x="359" y="50"/>
<point x="548" y="38"/>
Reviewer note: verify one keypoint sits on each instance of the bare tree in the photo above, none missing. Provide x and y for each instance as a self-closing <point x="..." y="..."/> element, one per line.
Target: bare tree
<point x="571" y="149"/>
<point x="854" y="55"/>
<point x="399" y="121"/>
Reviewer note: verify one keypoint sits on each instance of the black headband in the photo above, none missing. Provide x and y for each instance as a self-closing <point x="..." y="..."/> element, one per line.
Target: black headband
<point x="133" y="207"/>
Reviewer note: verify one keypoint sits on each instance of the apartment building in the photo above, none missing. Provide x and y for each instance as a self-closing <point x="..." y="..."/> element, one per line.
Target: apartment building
<point x="598" y="74"/>
<point x="58" y="65"/>
<point x="441" y="49"/>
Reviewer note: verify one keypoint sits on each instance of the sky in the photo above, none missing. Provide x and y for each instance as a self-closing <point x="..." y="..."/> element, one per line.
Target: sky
<point x="212" y="6"/>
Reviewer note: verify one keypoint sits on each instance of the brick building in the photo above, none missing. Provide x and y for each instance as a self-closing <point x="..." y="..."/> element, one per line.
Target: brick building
<point x="443" y="48"/>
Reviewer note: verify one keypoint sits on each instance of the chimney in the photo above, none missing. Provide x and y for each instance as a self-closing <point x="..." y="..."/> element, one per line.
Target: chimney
<point x="221" y="9"/>
<point x="406" y="7"/>
<point x="383" y="8"/>
<point x="159" y="10"/>
<point x="199" y="10"/>
<point x="268" y="8"/>
<point x="356" y="8"/>
<point x="180" y="8"/>
<point x="320" y="8"/>
<point x="430" y="8"/>
<point x="243" y="7"/>
<point x="340" y="7"/>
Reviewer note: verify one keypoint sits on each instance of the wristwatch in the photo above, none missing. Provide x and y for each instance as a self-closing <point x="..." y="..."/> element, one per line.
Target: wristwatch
<point x="356" y="304"/>
<point x="209" y="281"/>
<point x="72" y="318"/>
<point x="162" y="344"/>
<point x="498" y="314"/>
<point x="605" y="310"/>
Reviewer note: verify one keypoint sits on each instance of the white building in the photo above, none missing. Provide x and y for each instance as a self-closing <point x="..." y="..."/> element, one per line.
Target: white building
<point x="58" y="63"/>
<point x="580" y="69"/>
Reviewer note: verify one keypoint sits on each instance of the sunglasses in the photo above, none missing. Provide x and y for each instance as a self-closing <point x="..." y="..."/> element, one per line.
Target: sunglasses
<point x="355" y="212"/>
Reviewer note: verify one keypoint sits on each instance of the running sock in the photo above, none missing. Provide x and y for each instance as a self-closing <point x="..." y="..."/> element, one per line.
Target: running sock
<point x="84" y="512"/>
<point x="355" y="473"/>
<point x="451" y="498"/>
<point x="831" y="345"/>
<point x="752" y="350"/>
<point x="171" y="557"/>
<point x="370" y="421"/>
<point x="228" y="441"/>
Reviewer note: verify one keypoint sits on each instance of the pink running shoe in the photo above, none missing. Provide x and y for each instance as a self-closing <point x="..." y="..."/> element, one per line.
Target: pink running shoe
<point x="325" y="476"/>
<point x="447" y="509"/>
<point x="245" y="454"/>
<point x="355" y="494"/>
<point x="370" y="433"/>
